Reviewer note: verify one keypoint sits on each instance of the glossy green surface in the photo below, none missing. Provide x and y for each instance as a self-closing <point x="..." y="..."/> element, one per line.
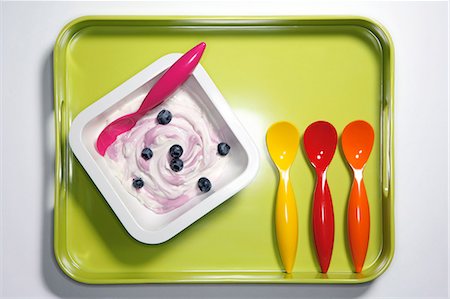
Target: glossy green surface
<point x="269" y="69"/>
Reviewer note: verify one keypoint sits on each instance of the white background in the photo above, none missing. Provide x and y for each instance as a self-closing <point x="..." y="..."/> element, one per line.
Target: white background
<point x="419" y="30"/>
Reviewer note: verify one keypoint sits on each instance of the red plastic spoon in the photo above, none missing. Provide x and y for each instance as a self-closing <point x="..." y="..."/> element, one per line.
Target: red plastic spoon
<point x="176" y="75"/>
<point x="320" y="142"/>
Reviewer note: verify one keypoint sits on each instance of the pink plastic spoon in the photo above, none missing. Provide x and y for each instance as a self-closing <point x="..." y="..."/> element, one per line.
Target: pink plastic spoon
<point x="176" y="75"/>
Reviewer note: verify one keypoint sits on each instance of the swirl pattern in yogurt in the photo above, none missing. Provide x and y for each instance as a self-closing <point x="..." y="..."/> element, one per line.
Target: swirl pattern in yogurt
<point x="164" y="189"/>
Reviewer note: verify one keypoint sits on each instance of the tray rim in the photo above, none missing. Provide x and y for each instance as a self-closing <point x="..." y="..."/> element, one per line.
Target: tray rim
<point x="67" y="33"/>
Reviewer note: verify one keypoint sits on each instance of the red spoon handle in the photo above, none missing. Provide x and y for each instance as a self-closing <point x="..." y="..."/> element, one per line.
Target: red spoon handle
<point x="323" y="222"/>
<point x="358" y="220"/>
<point x="176" y="75"/>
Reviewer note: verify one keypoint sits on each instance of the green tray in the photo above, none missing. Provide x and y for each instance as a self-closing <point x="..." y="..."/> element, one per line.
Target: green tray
<point x="299" y="69"/>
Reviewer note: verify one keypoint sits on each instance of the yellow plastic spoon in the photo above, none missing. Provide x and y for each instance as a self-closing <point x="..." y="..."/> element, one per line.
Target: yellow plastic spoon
<point x="282" y="142"/>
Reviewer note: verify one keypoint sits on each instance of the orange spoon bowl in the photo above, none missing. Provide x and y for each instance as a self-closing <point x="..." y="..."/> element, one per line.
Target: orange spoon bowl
<point x="357" y="142"/>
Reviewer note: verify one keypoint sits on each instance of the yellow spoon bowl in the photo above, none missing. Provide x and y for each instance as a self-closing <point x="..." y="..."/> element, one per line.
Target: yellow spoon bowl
<point x="282" y="143"/>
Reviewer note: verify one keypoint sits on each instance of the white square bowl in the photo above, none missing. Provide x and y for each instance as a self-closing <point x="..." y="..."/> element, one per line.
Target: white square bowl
<point x="143" y="224"/>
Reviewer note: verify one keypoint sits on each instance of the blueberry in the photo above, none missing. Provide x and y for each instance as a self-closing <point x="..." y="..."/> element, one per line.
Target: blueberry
<point x="164" y="117"/>
<point x="176" y="151"/>
<point x="138" y="183"/>
<point x="204" y="185"/>
<point x="146" y="153"/>
<point x="223" y="149"/>
<point x="176" y="164"/>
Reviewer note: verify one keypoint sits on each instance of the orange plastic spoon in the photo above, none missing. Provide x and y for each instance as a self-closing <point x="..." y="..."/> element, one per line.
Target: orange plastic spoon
<point x="357" y="142"/>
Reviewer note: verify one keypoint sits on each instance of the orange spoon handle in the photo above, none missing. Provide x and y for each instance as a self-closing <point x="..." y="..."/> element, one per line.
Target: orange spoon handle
<point x="286" y="223"/>
<point x="358" y="218"/>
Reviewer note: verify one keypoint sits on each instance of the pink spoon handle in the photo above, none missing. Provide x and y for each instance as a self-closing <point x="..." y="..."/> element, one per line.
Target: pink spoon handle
<point x="176" y="75"/>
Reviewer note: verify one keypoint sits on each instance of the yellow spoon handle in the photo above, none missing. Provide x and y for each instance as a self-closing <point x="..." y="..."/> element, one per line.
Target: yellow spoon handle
<point x="286" y="222"/>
